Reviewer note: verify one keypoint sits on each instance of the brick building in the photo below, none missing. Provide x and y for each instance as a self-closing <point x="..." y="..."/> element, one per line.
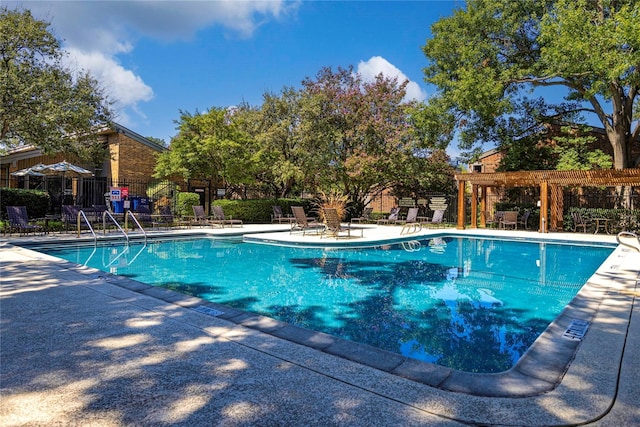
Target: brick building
<point x="132" y="158"/>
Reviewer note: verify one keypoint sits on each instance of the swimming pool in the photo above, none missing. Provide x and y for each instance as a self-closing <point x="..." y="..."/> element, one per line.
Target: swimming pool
<point x="472" y="304"/>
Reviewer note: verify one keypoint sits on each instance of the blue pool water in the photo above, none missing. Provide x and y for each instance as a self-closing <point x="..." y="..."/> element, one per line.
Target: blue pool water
<point x="466" y="303"/>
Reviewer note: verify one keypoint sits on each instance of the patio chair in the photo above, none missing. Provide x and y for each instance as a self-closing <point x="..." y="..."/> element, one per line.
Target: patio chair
<point x="201" y="219"/>
<point x="392" y="218"/>
<point x="366" y="216"/>
<point x="70" y="216"/>
<point x="303" y="223"/>
<point x="579" y="222"/>
<point x="333" y="225"/>
<point x="491" y="221"/>
<point x="279" y="217"/>
<point x="509" y="218"/>
<point x="525" y="218"/>
<point x="19" y="220"/>
<point x="437" y="219"/>
<point x="165" y="218"/>
<point x="218" y="215"/>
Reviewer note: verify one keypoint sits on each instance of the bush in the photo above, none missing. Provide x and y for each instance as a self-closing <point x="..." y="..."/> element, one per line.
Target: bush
<point x="36" y="201"/>
<point x="185" y="203"/>
<point x="258" y="211"/>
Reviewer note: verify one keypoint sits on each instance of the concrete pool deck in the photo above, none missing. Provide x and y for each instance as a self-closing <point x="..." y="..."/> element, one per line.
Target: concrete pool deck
<point x="79" y="346"/>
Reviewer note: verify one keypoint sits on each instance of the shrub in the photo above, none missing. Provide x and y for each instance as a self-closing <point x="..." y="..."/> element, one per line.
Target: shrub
<point x="335" y="200"/>
<point x="185" y="203"/>
<point x="36" y="201"/>
<point x="258" y="210"/>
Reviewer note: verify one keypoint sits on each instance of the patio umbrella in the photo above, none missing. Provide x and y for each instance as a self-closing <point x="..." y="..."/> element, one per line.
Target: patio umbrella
<point x="30" y="171"/>
<point x="64" y="170"/>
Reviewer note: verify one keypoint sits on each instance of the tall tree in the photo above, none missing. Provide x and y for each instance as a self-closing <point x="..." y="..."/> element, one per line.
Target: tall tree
<point x="485" y="57"/>
<point x="281" y="150"/>
<point x="355" y="130"/>
<point x="208" y="146"/>
<point x="42" y="102"/>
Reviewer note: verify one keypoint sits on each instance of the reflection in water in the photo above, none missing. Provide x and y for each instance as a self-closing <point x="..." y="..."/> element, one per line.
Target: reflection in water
<point x="469" y="304"/>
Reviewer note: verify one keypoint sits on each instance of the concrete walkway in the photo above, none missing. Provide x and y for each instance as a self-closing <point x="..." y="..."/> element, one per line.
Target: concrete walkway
<point x="78" y="347"/>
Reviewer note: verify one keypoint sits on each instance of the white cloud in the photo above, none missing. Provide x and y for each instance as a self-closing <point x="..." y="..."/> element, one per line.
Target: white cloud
<point x="122" y="85"/>
<point x="95" y="32"/>
<point x="377" y="64"/>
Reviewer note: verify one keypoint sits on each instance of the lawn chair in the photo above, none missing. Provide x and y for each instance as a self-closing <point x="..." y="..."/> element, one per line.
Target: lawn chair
<point x="392" y="218"/>
<point x="437" y="220"/>
<point x="19" y="220"/>
<point x="509" y="218"/>
<point x="279" y="217"/>
<point x="165" y="218"/>
<point x="333" y="226"/>
<point x="70" y="216"/>
<point x="366" y="216"/>
<point x="302" y="221"/>
<point x="579" y="222"/>
<point x="525" y="218"/>
<point x="199" y="218"/>
<point x="218" y="215"/>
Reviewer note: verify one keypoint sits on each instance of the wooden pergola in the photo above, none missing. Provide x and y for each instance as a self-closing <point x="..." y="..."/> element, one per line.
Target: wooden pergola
<point x="550" y="183"/>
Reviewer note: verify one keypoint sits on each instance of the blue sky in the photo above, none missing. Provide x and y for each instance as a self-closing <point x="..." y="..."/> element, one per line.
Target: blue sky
<point x="155" y="58"/>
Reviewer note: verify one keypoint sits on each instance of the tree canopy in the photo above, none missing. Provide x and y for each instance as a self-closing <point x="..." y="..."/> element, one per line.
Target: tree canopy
<point x="488" y="59"/>
<point x="336" y="133"/>
<point x="42" y="102"/>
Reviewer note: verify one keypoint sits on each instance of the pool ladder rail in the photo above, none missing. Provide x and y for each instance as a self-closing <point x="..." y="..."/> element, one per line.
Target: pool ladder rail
<point x="82" y="217"/>
<point x="630" y="245"/>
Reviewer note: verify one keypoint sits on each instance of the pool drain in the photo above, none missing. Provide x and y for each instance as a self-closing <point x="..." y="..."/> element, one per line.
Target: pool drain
<point x="576" y="330"/>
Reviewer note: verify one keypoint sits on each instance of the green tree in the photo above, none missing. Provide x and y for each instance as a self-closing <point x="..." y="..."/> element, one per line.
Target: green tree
<point x="281" y="152"/>
<point x="209" y="145"/>
<point x="485" y="57"/>
<point x="42" y="102"/>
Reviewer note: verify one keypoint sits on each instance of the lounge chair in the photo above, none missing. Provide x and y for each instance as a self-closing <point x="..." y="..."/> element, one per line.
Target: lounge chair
<point x="392" y="218"/>
<point x="199" y="218"/>
<point x="19" y="220"/>
<point x="279" y="217"/>
<point x="412" y="216"/>
<point x="366" y="216"/>
<point x="437" y="219"/>
<point x="303" y="223"/>
<point x="509" y="218"/>
<point x="579" y="222"/>
<point x="333" y="225"/>
<point x="218" y="215"/>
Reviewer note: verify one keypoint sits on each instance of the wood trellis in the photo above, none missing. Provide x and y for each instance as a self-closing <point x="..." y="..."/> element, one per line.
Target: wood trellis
<point x="550" y="183"/>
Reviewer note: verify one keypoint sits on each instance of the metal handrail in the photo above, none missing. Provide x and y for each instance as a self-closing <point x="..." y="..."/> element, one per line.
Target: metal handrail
<point x="133" y="217"/>
<point x="411" y="228"/>
<point x="81" y="215"/>
<point x="628" y="234"/>
<point x="104" y="224"/>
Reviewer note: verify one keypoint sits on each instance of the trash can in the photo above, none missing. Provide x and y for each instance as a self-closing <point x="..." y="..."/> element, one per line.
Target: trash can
<point x="118" y="206"/>
<point x="135" y="202"/>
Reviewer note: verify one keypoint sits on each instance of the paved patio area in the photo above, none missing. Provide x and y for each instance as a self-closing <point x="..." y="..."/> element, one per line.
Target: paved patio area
<point x="81" y="347"/>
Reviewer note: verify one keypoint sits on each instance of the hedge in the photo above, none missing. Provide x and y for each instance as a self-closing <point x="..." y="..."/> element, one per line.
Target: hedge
<point x="258" y="211"/>
<point x="36" y="201"/>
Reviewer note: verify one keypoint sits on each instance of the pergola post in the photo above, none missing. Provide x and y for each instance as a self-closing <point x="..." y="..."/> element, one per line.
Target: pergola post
<point x="557" y="207"/>
<point x="474" y="206"/>
<point x="461" y="188"/>
<point x="483" y="206"/>
<point x="544" y="206"/>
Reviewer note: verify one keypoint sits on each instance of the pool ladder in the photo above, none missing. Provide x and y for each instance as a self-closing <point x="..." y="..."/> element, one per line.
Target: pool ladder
<point x="629" y="234"/>
<point x="81" y="217"/>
